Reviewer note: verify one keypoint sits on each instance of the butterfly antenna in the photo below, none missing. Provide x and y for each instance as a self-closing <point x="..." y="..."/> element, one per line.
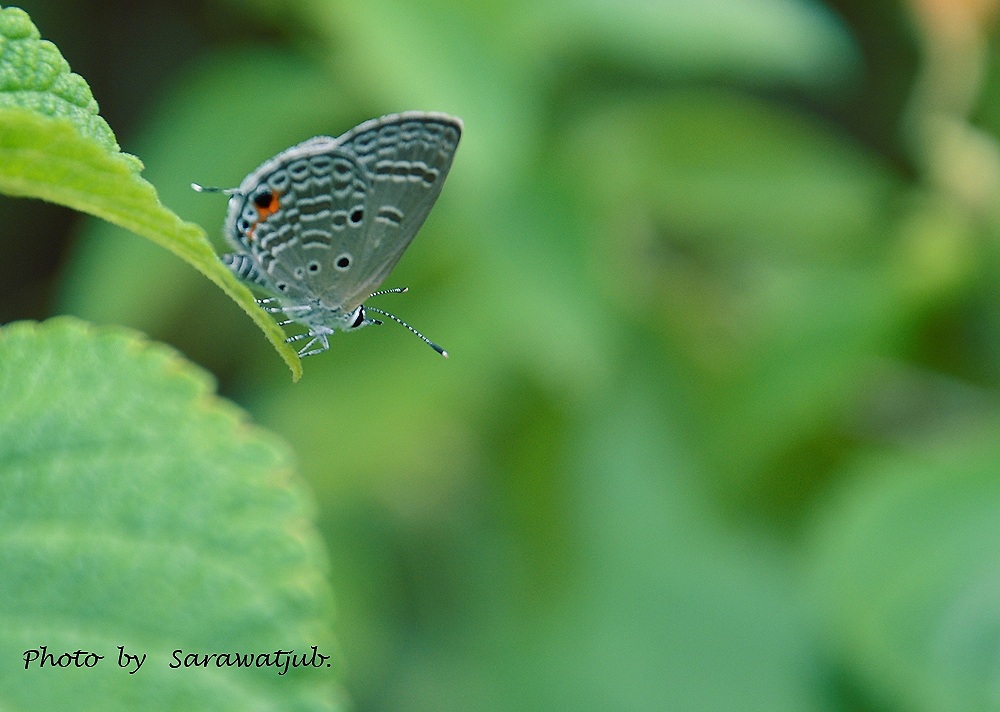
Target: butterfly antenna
<point x="394" y="290"/>
<point x="403" y="323"/>
<point x="212" y="189"/>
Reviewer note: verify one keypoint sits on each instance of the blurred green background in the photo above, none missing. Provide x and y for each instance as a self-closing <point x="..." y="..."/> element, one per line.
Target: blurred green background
<point x="720" y="429"/>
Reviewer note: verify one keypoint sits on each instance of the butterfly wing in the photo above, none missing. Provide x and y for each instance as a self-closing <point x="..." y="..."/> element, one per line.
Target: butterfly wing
<point x="285" y="212"/>
<point x="329" y="218"/>
<point x="405" y="159"/>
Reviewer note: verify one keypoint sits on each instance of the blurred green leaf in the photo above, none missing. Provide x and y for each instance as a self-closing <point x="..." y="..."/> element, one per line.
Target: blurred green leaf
<point x="675" y="610"/>
<point x="648" y="604"/>
<point x="139" y="510"/>
<point x="756" y="242"/>
<point x="905" y="570"/>
<point x="54" y="146"/>
<point x="767" y="42"/>
<point x="733" y="176"/>
<point x="473" y="60"/>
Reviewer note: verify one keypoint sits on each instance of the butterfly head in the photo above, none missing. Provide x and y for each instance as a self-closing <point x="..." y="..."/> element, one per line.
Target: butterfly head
<point x="357" y="319"/>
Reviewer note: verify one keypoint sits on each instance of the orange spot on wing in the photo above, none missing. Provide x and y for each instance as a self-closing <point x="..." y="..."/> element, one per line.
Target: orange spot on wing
<point x="264" y="211"/>
<point x="269" y="208"/>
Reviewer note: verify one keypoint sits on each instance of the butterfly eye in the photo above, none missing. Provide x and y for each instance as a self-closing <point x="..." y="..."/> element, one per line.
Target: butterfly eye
<point x="313" y="266"/>
<point x="243" y="224"/>
<point x="343" y="262"/>
<point x="357" y="215"/>
<point x="282" y="287"/>
<point x="263" y="199"/>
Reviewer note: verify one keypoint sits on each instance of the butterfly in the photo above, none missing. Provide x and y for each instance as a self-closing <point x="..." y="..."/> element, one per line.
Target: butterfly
<point x="319" y="226"/>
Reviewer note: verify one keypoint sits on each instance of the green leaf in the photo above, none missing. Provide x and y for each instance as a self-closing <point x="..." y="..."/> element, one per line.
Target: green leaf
<point x="905" y="571"/>
<point x="197" y="120"/>
<point x="55" y="146"/>
<point x="755" y="236"/>
<point x="139" y="510"/>
<point x="763" y="42"/>
<point x="680" y="611"/>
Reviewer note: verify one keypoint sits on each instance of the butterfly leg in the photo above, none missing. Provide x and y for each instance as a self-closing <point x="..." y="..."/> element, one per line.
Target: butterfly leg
<point x="303" y="353"/>
<point x="265" y="304"/>
<point x="318" y="337"/>
<point x="324" y="345"/>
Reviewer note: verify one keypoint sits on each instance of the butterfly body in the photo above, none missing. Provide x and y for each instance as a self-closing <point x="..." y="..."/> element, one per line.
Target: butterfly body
<point x="319" y="226"/>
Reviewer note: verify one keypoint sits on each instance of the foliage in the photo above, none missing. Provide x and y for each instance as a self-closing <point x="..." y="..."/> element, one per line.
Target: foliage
<point x="718" y="282"/>
<point x="55" y="146"/>
<point x="139" y="511"/>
